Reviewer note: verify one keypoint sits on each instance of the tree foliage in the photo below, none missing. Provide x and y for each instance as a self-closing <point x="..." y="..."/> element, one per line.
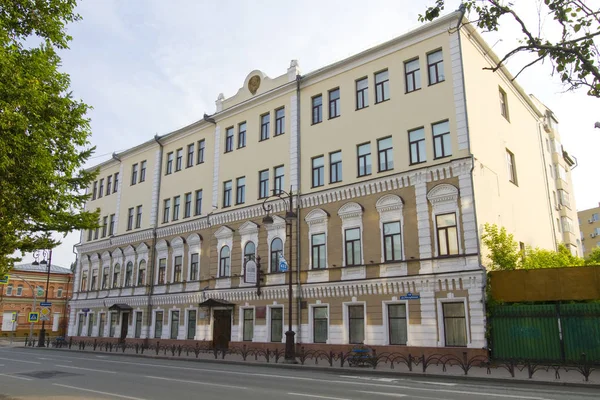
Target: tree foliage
<point x="573" y="53"/>
<point x="503" y="250"/>
<point x="594" y="257"/>
<point x="43" y="131"/>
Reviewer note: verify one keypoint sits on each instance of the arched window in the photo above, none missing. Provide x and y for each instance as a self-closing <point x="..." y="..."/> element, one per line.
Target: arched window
<point x="116" y="275"/>
<point x="83" y="287"/>
<point x="142" y="273"/>
<point x="276" y="253"/>
<point x="128" y="274"/>
<point x="249" y="251"/>
<point x="9" y="289"/>
<point x="19" y="290"/>
<point x="59" y="292"/>
<point x="105" y="272"/>
<point x="224" y="262"/>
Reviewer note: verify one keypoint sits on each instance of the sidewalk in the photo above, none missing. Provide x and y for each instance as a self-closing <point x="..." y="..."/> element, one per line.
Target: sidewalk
<point x="386" y="369"/>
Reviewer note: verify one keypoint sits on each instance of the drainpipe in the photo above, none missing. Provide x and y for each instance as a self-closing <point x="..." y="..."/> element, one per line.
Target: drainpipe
<point x="550" y="214"/>
<point x="298" y="224"/>
<point x="152" y="263"/>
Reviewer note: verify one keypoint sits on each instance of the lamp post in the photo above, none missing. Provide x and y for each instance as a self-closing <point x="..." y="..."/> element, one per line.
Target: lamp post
<point x="42" y="338"/>
<point x="290" y="215"/>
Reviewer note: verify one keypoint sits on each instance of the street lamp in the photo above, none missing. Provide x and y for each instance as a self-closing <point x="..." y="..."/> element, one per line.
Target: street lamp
<point x="36" y="255"/>
<point x="290" y="215"/>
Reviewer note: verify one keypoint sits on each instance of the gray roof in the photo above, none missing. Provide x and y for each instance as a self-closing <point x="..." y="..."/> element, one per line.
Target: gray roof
<point x="54" y="269"/>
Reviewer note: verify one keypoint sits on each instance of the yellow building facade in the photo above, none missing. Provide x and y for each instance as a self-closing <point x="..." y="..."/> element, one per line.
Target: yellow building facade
<point x="589" y="224"/>
<point x="394" y="159"/>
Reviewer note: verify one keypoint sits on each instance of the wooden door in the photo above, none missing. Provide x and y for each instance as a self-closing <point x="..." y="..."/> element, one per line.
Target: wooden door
<point x="222" y="329"/>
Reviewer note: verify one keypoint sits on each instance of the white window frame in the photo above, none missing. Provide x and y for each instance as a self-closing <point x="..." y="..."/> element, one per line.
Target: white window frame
<point x="346" y="321"/>
<point x="169" y="324"/>
<point x="142" y="255"/>
<point x="162" y="248"/>
<point x="106" y="323"/>
<point x="224" y="237"/>
<point x="187" y="322"/>
<point x="153" y="327"/>
<point x="317" y="221"/>
<point x="391" y="209"/>
<point x="194" y="243"/>
<point x="351" y="214"/>
<point x="269" y="308"/>
<point x="249" y="233"/>
<point x="444" y="200"/>
<point x="177" y="246"/>
<point x="386" y="321"/>
<point x="440" y="318"/>
<point x="275" y="230"/>
<point x="311" y="322"/>
<point x="241" y="323"/>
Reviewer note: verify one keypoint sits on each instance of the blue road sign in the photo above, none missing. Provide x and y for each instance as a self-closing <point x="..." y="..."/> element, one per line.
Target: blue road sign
<point x="45" y="304"/>
<point x="283" y="266"/>
<point x="410" y="296"/>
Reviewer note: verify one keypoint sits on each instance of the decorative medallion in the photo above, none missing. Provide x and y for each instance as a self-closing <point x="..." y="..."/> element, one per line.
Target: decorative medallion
<point x="254" y="84"/>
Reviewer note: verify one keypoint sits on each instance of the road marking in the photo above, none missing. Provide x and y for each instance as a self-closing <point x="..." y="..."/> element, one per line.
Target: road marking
<point x="196" y="382"/>
<point x="86" y="369"/>
<point x="384" y="394"/>
<point x="97" y="391"/>
<point x="12" y="359"/>
<point x="53" y="359"/>
<point x="317" y="397"/>
<point x="17" y="377"/>
<point x="393" y="380"/>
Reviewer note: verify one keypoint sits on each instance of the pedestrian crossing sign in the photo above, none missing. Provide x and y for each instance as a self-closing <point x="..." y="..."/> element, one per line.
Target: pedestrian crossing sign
<point x="33" y="317"/>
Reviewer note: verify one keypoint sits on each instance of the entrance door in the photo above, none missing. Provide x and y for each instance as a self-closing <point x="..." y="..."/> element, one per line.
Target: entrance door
<point x="124" y="325"/>
<point x="222" y="329"/>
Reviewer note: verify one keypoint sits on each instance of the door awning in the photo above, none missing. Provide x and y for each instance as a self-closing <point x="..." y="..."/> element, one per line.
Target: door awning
<point x="211" y="303"/>
<point x="120" y="307"/>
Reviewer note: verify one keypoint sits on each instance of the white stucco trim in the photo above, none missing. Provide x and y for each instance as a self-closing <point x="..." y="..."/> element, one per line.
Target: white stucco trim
<point x="386" y="320"/>
<point x="391" y="209"/>
<point x="455" y="57"/>
<point x="162" y="251"/>
<point x="194" y="242"/>
<point x="311" y="321"/>
<point x="346" y="320"/>
<point x="249" y="233"/>
<point x="187" y="322"/>
<point x="217" y="158"/>
<point x="224" y="237"/>
<point x="275" y="230"/>
<point x="268" y="324"/>
<point x="444" y="200"/>
<point x="440" y="318"/>
<point x="177" y="246"/>
<point x="241" y="323"/>
<point x="317" y="221"/>
<point x="155" y="188"/>
<point x="351" y="215"/>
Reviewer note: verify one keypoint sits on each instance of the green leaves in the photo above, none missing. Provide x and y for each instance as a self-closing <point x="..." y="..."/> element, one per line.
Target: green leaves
<point x="44" y="132"/>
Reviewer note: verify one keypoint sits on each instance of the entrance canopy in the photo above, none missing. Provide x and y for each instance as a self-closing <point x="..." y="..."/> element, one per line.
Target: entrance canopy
<point x="212" y="303"/>
<point x="120" y="307"/>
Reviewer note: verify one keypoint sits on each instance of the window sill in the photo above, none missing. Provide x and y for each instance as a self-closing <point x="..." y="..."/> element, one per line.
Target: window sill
<point x="335" y="116"/>
<point x="362" y="176"/>
<point x="382" y="101"/>
<point x="237" y="204"/>
<point x="433" y="84"/>
<point x="262" y="140"/>
<point x="439" y="158"/>
<point x="226" y="206"/>
<point x="201" y="162"/>
<point x="417" y="163"/>
<point x="517" y="185"/>
<point x="316" y="123"/>
<point x="227" y="151"/>
<point x="279" y="134"/>
<point x="241" y="147"/>
<point x="385" y="170"/>
<point x="412" y="91"/>
<point x="362" y="108"/>
<point x="317" y="186"/>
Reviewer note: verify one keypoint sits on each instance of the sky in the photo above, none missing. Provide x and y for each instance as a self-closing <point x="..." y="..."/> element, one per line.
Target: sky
<point x="152" y="66"/>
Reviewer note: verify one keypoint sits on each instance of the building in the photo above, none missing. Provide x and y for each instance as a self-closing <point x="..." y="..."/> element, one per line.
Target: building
<point x="589" y="223"/>
<point x="17" y="296"/>
<point x="396" y="157"/>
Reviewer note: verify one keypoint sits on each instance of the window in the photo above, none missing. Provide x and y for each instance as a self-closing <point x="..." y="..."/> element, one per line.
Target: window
<point x="169" y="163"/>
<point x="392" y="245"/>
<point x="564" y="198"/>
<point x="362" y="93"/>
<point x="198" y="205"/>
<point x="187" y="210"/>
<point x="276" y="324"/>
<point x="177" y="269"/>
<point x="317" y="109"/>
<point x="138" y="217"/>
<point x="241" y="135"/>
<point x="101" y="188"/>
<point x="90" y="324"/>
<point x="455" y="326"/>
<point x="116" y="276"/>
<point x="412" y="73"/>
<point x="129" y="274"/>
<point x="317" y="245"/>
<point x="318" y="171"/>
<point x="567" y="224"/>
<point x="176" y="204"/>
<point x="416" y="142"/>
<point x="441" y="140"/>
<point x="280" y="121"/>
<point x="224" y="262"/>
<point x="200" y="158"/>
<point x="138" y="324"/>
<point x="335" y="167"/>
<point x="510" y="167"/>
<point x="334" y="103"/>
<point x="9" y="289"/>
<point x="101" y="324"/>
<point x="90" y="233"/>
<point x="108" y="184"/>
<point x="143" y="171"/>
<point x="190" y="156"/>
<point x="130" y="219"/>
<point x="105" y="275"/>
<point x="111" y="226"/>
<point x="116" y="185"/>
<point x="227" y="194"/>
<point x="265" y="122"/>
<point x="229" y="139"/>
<point x="240" y="190"/>
<point x="278" y="180"/>
<point x="447" y="234"/>
<point x="59" y="292"/>
<point x="435" y="66"/>
<point x="276" y="253"/>
<point x="141" y="273"/>
<point x="166" y="210"/>
<point x="179" y="160"/>
<point x="248" y="325"/>
<point x="104" y="226"/>
<point x="134" y="173"/>
<point x="385" y="154"/>
<point x="382" y="86"/>
<point x="113" y="324"/>
<point x="595" y="217"/>
<point x="162" y="271"/>
<point x="84" y="286"/>
<point x="174" y="324"/>
<point x="191" y="324"/>
<point x="320" y="323"/>
<point x="356" y="320"/>
<point x="95" y="191"/>
<point x="352" y="246"/>
<point x="263" y="180"/>
<point x="158" y="324"/>
<point x="503" y="103"/>
<point x="194" y="258"/>
<point x="94" y="280"/>
<point x="96" y="233"/>
<point x="249" y="251"/>
<point x="364" y="159"/>
<point x="397" y="324"/>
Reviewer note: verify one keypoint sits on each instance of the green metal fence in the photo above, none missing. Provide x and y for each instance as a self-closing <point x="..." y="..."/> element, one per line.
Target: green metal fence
<point x="546" y="332"/>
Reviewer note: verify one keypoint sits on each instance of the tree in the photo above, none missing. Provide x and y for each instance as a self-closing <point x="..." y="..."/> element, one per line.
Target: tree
<point x="594" y="257"/>
<point x="542" y="258"/>
<point x="504" y="252"/>
<point x="43" y="131"/>
<point x="573" y="54"/>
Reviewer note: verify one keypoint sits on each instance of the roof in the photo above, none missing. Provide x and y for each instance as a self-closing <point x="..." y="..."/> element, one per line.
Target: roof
<point x="54" y="269"/>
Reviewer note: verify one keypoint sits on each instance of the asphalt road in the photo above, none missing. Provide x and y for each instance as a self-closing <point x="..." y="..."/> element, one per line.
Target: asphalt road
<point x="45" y="374"/>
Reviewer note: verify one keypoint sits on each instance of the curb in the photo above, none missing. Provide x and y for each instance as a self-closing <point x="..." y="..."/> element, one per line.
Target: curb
<point x="345" y="371"/>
